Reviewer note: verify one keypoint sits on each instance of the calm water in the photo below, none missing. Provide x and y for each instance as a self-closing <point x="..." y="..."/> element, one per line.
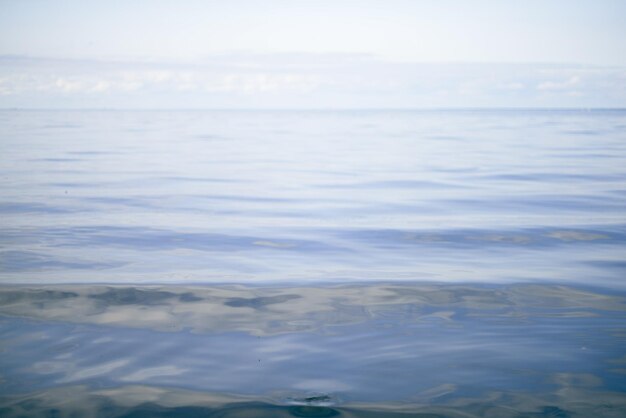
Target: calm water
<point x="353" y="263"/>
<point x="503" y="196"/>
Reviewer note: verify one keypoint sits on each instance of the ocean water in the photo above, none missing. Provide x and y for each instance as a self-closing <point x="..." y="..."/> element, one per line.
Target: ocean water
<point x="171" y="197"/>
<point x="466" y="263"/>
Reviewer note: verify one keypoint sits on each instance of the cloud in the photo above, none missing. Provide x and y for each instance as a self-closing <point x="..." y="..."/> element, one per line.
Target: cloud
<point x="80" y="77"/>
<point x="303" y="81"/>
<point x="572" y="81"/>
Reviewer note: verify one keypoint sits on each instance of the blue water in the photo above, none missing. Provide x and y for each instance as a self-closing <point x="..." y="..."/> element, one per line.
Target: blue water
<point x="315" y="196"/>
<point x="313" y="263"/>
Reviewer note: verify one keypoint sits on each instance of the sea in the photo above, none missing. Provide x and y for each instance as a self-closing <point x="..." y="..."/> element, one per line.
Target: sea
<point x="313" y="263"/>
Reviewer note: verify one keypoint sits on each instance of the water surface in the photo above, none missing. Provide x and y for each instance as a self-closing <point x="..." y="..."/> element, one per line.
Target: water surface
<point x="315" y="196"/>
<point x="313" y="263"/>
<point x="336" y="350"/>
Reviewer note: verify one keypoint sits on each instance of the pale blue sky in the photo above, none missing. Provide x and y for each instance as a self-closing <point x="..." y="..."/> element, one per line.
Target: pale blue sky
<point x="279" y="53"/>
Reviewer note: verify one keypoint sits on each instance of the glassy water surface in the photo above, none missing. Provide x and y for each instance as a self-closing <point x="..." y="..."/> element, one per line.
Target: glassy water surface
<point x="286" y="263"/>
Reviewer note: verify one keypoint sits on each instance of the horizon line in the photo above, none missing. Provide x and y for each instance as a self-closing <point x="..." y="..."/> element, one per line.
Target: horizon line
<point x="322" y="109"/>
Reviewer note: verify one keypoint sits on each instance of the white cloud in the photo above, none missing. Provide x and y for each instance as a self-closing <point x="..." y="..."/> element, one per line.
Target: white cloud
<point x="301" y="81"/>
<point x="78" y="78"/>
<point x="512" y="86"/>
<point x="560" y="85"/>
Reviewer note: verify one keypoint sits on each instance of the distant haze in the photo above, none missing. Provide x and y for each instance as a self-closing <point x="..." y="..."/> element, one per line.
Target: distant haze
<point x="322" y="54"/>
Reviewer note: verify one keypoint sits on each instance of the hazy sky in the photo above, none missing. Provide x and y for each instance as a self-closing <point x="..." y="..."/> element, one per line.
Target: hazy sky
<point x="280" y="53"/>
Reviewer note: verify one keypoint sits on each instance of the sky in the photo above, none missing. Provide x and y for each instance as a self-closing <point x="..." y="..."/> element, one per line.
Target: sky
<point x="312" y="54"/>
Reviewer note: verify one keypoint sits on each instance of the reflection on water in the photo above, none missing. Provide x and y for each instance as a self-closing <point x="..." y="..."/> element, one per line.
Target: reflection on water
<point x="355" y="350"/>
<point x="138" y="401"/>
<point x="389" y="263"/>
